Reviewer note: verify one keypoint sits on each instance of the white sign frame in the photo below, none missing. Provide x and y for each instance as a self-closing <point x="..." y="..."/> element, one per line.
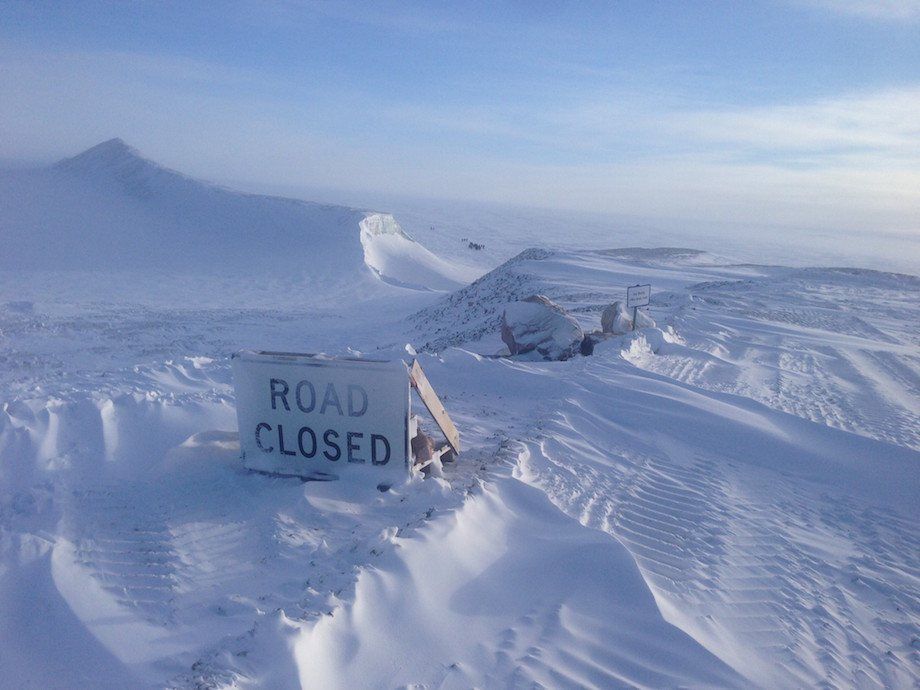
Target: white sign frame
<point x="638" y="296"/>
<point x="317" y="396"/>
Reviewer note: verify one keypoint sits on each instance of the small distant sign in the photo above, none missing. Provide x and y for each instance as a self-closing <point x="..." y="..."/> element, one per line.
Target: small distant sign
<point x="638" y="296"/>
<point x="311" y="416"/>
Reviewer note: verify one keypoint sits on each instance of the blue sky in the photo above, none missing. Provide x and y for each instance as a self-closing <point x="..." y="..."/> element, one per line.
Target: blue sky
<point x="801" y="111"/>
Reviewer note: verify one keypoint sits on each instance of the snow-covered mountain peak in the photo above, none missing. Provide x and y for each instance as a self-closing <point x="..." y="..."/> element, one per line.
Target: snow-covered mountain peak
<point x="111" y="154"/>
<point x="376" y="224"/>
<point x="115" y="147"/>
<point x="114" y="161"/>
<point x="109" y="208"/>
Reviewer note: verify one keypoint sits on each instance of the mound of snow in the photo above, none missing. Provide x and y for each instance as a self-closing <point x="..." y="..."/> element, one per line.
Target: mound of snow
<point x="475" y="311"/>
<point x="636" y="346"/>
<point x="111" y="209"/>
<point x="398" y="259"/>
<point x="618" y="319"/>
<point x="505" y="592"/>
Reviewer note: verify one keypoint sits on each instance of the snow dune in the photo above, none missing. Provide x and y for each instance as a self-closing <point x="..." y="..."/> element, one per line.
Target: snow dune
<point x="397" y="259"/>
<point x="504" y="588"/>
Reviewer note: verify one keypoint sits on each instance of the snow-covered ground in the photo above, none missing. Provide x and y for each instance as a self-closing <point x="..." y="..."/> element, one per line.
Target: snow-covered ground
<point x="730" y="500"/>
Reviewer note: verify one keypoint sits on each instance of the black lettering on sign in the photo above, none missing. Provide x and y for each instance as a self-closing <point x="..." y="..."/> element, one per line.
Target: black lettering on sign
<point x="354" y="389"/>
<point x="259" y="427"/>
<point x="281" y="443"/>
<point x="282" y="393"/>
<point x="298" y="394"/>
<point x="330" y="398"/>
<point x="352" y="447"/>
<point x="386" y="445"/>
<point x="332" y="444"/>
<point x="300" y="435"/>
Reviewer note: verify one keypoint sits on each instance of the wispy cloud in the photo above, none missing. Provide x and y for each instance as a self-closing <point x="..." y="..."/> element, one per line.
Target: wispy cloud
<point x="427" y="18"/>
<point x="890" y="10"/>
<point x="884" y="124"/>
<point x="851" y="161"/>
<point x="880" y="125"/>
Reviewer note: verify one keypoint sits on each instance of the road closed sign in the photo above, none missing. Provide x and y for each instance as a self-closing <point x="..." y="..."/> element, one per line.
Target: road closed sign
<point x="313" y="416"/>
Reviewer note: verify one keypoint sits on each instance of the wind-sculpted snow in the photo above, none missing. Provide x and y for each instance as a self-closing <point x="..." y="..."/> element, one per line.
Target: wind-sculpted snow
<point x="397" y="259"/>
<point x="505" y="592"/>
<point x="836" y="346"/>
<point x="786" y="548"/>
<point x="176" y="562"/>
<point x="729" y="501"/>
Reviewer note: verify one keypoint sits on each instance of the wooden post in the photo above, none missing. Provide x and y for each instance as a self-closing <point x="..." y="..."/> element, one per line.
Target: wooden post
<point x="420" y="383"/>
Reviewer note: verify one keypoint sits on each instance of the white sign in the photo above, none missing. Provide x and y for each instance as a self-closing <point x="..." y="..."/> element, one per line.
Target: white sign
<point x="638" y="296"/>
<point x="311" y="416"/>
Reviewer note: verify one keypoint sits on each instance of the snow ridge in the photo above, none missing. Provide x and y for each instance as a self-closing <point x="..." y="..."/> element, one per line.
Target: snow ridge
<point x="399" y="260"/>
<point x="110" y="209"/>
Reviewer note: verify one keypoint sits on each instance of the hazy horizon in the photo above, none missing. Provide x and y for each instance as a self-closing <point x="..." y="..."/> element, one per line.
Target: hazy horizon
<point x="508" y="227"/>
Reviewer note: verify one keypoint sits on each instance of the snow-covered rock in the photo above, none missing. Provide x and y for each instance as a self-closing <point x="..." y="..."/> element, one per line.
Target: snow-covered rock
<point x="617" y="318"/>
<point x="537" y="323"/>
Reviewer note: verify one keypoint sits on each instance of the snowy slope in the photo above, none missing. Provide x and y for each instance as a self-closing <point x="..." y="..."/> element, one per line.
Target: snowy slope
<point x="110" y="209"/>
<point x="836" y="346"/>
<point x="787" y="550"/>
<point x="731" y="511"/>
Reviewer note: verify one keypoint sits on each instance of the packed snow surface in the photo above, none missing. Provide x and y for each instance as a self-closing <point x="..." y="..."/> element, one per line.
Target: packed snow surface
<point x="726" y="500"/>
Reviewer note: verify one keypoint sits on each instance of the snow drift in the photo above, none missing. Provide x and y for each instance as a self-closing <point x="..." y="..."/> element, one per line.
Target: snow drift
<point x="398" y="259"/>
<point x="663" y="513"/>
<point x="727" y="501"/>
<point x="110" y="209"/>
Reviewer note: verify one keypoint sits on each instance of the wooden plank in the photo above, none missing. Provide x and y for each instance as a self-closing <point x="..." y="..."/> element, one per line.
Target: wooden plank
<point x="438" y="454"/>
<point x="430" y="399"/>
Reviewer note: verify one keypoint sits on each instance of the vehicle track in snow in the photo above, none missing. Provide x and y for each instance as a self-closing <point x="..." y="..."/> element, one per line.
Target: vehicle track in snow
<point x="819" y="360"/>
<point x="127" y="548"/>
<point x="790" y="583"/>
